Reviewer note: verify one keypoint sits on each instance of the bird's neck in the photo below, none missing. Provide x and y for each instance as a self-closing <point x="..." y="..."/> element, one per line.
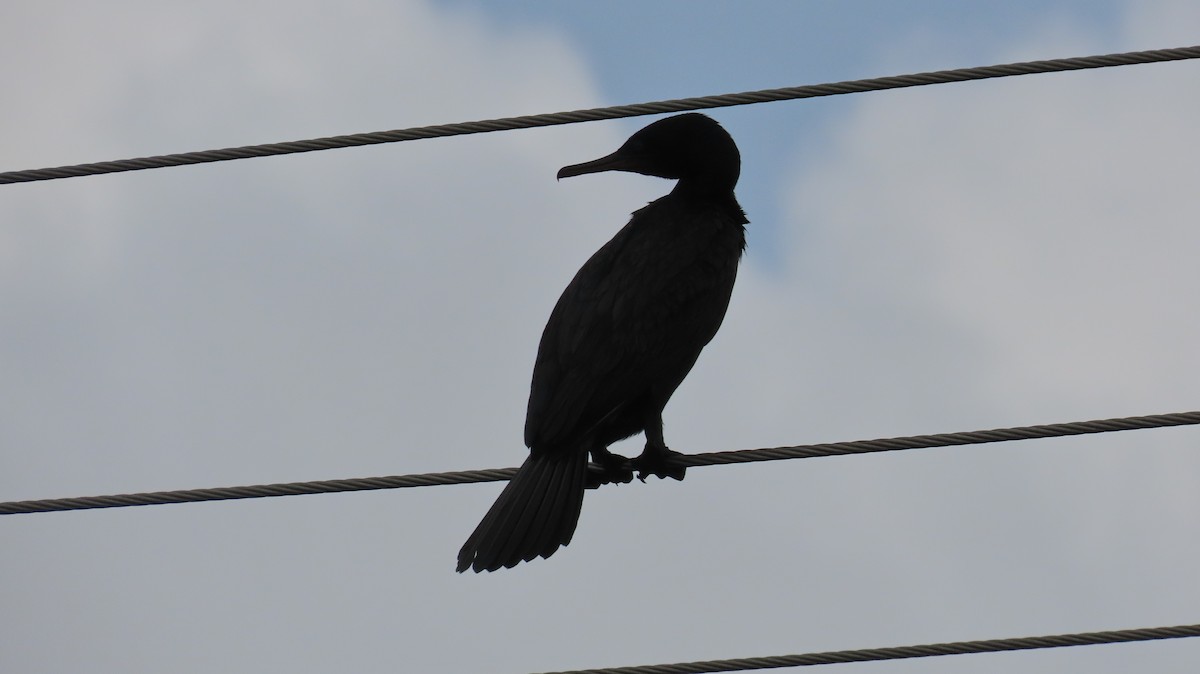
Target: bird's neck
<point x="700" y="191"/>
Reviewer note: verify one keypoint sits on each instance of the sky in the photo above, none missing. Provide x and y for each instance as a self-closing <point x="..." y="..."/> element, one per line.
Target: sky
<point x="937" y="259"/>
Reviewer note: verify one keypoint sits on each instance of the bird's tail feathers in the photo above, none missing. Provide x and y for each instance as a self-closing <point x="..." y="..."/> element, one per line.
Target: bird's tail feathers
<point x="534" y="515"/>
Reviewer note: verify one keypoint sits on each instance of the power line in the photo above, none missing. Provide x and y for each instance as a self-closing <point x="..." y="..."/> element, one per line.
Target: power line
<point x="904" y="652"/>
<point x="614" y="112"/>
<point x="708" y="459"/>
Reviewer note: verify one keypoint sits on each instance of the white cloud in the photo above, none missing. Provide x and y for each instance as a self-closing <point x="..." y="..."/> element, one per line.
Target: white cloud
<point x="1049" y="216"/>
<point x="991" y="254"/>
<point x="348" y="313"/>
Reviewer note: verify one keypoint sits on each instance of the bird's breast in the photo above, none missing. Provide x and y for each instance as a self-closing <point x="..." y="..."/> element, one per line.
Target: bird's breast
<point x="677" y="256"/>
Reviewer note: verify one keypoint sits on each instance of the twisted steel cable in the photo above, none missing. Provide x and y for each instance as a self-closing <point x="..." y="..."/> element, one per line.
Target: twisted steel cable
<point x="709" y="459"/>
<point x="904" y="652"/>
<point x="614" y="112"/>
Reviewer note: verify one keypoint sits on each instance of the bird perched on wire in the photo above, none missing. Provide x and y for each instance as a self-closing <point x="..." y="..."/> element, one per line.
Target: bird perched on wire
<point x="622" y="337"/>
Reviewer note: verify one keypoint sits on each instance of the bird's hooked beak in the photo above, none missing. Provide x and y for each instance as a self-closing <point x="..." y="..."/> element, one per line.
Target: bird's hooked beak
<point x="617" y="161"/>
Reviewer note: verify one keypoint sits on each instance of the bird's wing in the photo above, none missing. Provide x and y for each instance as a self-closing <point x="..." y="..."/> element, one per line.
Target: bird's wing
<point x="627" y="317"/>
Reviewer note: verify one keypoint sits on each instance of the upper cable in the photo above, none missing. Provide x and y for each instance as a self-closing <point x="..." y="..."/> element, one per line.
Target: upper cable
<point x="613" y="112"/>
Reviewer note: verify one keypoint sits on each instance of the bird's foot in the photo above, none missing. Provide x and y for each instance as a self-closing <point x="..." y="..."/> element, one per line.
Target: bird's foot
<point x="608" y="468"/>
<point x="661" y="462"/>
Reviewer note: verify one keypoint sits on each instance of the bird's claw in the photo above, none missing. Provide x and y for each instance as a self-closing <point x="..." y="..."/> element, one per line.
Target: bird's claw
<point x="661" y="462"/>
<point x="609" y="469"/>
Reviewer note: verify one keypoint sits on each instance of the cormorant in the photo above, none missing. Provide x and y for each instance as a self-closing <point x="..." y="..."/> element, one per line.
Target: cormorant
<point x="624" y="334"/>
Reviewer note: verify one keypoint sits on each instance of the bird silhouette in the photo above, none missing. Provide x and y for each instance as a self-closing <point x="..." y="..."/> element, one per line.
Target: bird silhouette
<point x="623" y="335"/>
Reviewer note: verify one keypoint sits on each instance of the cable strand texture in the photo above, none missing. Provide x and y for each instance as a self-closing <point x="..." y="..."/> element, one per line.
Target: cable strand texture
<point x="708" y="459"/>
<point x="905" y="652"/>
<point x="613" y="112"/>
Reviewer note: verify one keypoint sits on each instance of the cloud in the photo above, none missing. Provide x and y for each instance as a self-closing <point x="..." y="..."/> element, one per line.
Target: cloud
<point x="984" y="255"/>
<point x="1048" y="217"/>
<point x="244" y="304"/>
<point x="340" y="314"/>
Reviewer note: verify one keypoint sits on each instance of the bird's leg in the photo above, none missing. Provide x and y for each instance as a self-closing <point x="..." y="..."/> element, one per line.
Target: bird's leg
<point x="656" y="458"/>
<point x="608" y="468"/>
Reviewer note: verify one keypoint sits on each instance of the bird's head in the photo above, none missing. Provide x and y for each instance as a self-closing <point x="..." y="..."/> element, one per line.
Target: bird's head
<point x="691" y="148"/>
